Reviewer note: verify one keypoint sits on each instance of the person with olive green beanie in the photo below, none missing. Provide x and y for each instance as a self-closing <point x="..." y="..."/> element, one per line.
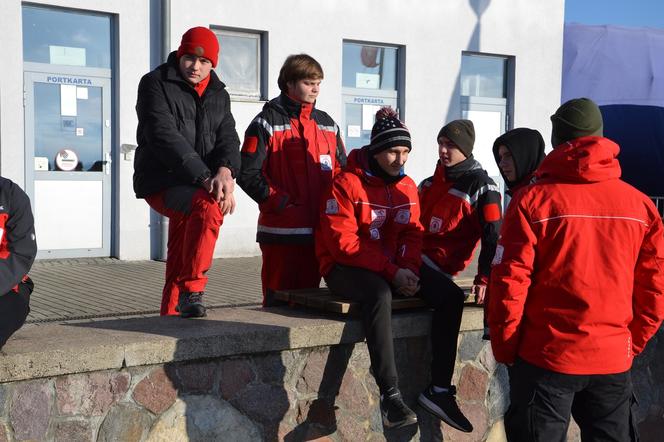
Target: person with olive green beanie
<point x="576" y="288"/>
<point x="579" y="117"/>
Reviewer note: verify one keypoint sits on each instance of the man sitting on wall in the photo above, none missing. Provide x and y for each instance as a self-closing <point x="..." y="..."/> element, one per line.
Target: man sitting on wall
<point x="187" y="156"/>
<point x="18" y="249"/>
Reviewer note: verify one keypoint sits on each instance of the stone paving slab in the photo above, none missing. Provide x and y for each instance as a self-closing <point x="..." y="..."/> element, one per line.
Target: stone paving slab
<point x="91" y="289"/>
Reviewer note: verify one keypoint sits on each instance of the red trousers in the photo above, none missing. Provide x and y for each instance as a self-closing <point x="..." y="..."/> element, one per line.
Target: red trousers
<point x="194" y="222"/>
<point x="288" y="266"/>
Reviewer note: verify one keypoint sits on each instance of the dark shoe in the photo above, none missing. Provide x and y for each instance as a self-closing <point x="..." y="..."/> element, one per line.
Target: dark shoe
<point x="190" y="305"/>
<point x="396" y="413"/>
<point x="444" y="407"/>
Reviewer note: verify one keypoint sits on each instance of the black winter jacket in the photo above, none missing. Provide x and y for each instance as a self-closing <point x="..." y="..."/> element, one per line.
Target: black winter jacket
<point x="18" y="247"/>
<point x="182" y="138"/>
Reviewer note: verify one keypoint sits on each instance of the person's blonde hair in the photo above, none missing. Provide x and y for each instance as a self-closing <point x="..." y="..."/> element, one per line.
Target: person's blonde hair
<point x="298" y="67"/>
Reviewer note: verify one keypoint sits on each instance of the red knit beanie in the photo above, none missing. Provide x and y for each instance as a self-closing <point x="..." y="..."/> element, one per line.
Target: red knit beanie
<point x="201" y="42"/>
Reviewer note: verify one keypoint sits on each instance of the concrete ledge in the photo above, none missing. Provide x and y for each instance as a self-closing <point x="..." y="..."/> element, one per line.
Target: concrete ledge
<point x="52" y="350"/>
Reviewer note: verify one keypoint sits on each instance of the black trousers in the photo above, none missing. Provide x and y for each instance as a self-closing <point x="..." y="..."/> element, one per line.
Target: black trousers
<point x="375" y="296"/>
<point x="446" y="299"/>
<point x="14" y="308"/>
<point x="541" y="402"/>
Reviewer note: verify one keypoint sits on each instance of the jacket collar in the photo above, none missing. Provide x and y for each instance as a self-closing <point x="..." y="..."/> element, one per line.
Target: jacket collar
<point x="171" y="72"/>
<point x="287" y="106"/>
<point x="358" y="164"/>
<point x="582" y="160"/>
<point x="455" y="172"/>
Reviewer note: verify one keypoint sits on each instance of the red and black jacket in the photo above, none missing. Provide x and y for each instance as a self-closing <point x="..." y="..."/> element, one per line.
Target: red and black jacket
<point x="460" y="207"/>
<point x="290" y="154"/>
<point x="369" y="224"/>
<point x="18" y="247"/>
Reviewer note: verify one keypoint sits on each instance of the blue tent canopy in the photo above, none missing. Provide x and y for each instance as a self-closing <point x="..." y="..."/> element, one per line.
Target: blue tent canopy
<point x="622" y="69"/>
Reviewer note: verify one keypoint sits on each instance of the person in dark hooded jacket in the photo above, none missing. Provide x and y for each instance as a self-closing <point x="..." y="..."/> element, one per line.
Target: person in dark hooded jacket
<point x="518" y="153"/>
<point x="18" y="249"/>
<point x="186" y="159"/>
<point x="291" y="152"/>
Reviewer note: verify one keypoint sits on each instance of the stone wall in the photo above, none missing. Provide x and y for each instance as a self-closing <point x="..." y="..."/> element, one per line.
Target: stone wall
<point x="318" y="392"/>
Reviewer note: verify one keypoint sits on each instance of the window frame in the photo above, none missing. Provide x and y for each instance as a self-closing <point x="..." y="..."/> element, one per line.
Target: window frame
<point x="261" y="62"/>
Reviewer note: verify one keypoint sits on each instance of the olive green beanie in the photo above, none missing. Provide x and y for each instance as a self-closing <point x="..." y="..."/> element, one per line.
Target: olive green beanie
<point x="579" y="117"/>
<point x="461" y="133"/>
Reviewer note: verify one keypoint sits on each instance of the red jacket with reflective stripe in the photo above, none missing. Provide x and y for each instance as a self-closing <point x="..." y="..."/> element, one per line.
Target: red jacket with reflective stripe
<point x="578" y="278"/>
<point x="369" y="224"/>
<point x="290" y="154"/>
<point x="460" y="207"/>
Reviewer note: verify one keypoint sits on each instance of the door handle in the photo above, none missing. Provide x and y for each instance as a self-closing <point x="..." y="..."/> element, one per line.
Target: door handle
<point x="107" y="163"/>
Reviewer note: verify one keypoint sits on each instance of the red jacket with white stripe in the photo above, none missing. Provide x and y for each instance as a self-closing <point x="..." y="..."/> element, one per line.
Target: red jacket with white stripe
<point x="291" y="152"/>
<point x="369" y="224"/>
<point x="578" y="278"/>
<point x="460" y="207"/>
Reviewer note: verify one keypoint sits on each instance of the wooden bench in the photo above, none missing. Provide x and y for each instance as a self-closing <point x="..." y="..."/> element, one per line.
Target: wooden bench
<point x="323" y="299"/>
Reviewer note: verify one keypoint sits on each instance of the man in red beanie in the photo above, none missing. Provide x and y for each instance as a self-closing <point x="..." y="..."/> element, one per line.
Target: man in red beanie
<point x="186" y="160"/>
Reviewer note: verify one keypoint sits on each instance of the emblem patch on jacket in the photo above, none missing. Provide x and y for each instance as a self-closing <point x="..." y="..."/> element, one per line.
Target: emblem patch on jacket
<point x="325" y="162"/>
<point x="331" y="207"/>
<point x="403" y="216"/>
<point x="435" y="224"/>
<point x="378" y="217"/>
<point x="374" y="233"/>
<point x="498" y="257"/>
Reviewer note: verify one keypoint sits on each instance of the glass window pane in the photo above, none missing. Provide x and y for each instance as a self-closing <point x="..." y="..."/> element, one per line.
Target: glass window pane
<point x="483" y="76"/>
<point x="62" y="37"/>
<point x="80" y="130"/>
<point x="369" y="67"/>
<point x="239" y="63"/>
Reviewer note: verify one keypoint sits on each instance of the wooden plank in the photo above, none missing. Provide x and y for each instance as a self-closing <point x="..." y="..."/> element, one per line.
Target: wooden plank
<point x="323" y="299"/>
<point x="282" y="296"/>
<point x="405" y="303"/>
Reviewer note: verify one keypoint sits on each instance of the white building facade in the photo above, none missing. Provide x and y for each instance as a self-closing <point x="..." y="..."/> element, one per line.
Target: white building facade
<point x="71" y="70"/>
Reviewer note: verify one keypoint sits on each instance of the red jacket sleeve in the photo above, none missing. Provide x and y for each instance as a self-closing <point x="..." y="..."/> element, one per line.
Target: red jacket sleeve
<point x="510" y="280"/>
<point x="339" y="230"/>
<point x="648" y="297"/>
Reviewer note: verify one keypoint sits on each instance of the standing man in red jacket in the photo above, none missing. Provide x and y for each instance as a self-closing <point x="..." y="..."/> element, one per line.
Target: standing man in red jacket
<point x="460" y="209"/>
<point x="187" y="156"/>
<point x="577" y="287"/>
<point x="291" y="152"/>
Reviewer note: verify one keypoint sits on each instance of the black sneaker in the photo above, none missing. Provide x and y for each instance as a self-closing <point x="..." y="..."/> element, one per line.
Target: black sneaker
<point x="444" y="407"/>
<point x="396" y="413"/>
<point x="190" y="305"/>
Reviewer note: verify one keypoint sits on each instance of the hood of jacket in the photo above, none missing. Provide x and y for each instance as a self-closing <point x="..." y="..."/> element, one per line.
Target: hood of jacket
<point x="582" y="160"/>
<point x="527" y="149"/>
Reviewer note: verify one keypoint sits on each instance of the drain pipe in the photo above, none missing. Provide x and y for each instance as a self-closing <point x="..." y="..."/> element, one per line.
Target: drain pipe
<point x="165" y="50"/>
